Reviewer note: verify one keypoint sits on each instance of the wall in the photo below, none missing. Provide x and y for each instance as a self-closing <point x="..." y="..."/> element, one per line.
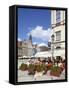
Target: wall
<point x="4" y="44"/>
<point x="60" y="28"/>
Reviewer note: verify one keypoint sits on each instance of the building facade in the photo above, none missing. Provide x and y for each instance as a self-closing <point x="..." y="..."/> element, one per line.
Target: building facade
<point x="25" y="47"/>
<point x="20" y="49"/>
<point x="58" y="32"/>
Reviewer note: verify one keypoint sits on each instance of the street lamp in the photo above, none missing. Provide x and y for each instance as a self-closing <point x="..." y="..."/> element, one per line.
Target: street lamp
<point x="52" y="37"/>
<point x="52" y="45"/>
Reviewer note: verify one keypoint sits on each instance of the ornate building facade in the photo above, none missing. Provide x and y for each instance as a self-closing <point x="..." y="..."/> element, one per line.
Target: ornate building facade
<point x="25" y="47"/>
<point x="58" y="33"/>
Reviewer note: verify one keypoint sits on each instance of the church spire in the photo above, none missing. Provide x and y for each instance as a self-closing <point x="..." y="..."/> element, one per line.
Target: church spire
<point x="30" y="37"/>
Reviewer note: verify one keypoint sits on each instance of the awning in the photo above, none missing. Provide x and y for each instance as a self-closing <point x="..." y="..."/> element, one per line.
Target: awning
<point x="43" y="54"/>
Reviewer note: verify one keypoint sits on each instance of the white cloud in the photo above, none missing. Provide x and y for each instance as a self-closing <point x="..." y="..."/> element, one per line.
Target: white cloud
<point x="40" y="33"/>
<point x="19" y="39"/>
<point x="42" y="44"/>
<point x="50" y="39"/>
<point x="35" y="43"/>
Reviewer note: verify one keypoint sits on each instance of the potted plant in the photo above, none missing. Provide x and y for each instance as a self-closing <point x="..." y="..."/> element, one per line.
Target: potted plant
<point x="23" y="67"/>
<point x="55" y="71"/>
<point x="49" y="66"/>
<point x="31" y="69"/>
<point x="39" y="68"/>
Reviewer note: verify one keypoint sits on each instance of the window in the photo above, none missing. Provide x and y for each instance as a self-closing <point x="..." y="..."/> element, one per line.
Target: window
<point x="58" y="57"/>
<point x="58" y="36"/>
<point x="58" y="17"/>
<point x="58" y="47"/>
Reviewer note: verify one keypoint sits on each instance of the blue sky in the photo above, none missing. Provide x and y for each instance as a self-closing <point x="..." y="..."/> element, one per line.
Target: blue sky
<point x="36" y="22"/>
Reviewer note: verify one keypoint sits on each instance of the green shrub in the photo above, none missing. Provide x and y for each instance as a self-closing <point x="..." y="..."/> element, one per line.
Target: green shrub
<point x="55" y="71"/>
<point x="31" y="69"/>
<point x="39" y="68"/>
<point x="23" y="67"/>
<point x="56" y="68"/>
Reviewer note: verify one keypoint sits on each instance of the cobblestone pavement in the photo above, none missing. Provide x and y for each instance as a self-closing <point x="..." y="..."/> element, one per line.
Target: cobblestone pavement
<point x="23" y="76"/>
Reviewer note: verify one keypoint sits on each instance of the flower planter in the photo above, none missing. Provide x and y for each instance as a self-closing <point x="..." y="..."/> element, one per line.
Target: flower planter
<point x="31" y="69"/>
<point x="39" y="68"/>
<point x="49" y="66"/>
<point x="23" y="67"/>
<point x="55" y="71"/>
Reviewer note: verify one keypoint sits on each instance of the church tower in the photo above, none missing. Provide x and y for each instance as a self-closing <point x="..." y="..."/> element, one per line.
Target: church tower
<point x="30" y="38"/>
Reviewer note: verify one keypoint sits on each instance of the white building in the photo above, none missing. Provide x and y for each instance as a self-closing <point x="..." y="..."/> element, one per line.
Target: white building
<point x="58" y="30"/>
